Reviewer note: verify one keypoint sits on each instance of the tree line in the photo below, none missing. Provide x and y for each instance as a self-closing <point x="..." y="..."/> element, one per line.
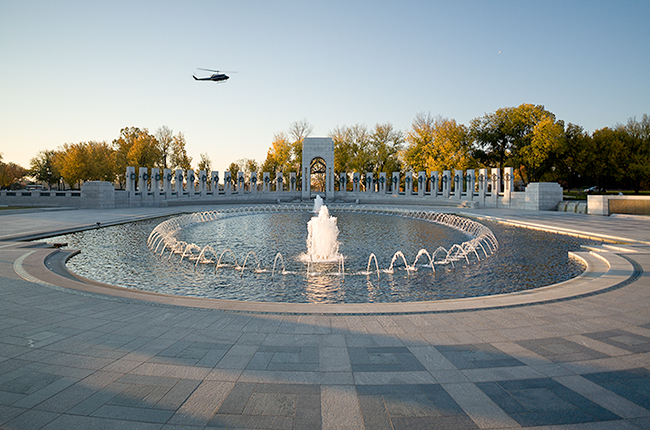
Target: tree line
<point x="74" y="163"/>
<point x="528" y="137"/>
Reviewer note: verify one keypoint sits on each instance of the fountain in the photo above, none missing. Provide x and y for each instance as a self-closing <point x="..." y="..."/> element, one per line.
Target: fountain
<point x="380" y="254"/>
<point x="322" y="238"/>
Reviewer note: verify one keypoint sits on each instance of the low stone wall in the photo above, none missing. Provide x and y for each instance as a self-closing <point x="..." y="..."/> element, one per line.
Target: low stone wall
<point x="607" y="205"/>
<point x="575" y="206"/>
<point x="41" y="198"/>
<point x="493" y="188"/>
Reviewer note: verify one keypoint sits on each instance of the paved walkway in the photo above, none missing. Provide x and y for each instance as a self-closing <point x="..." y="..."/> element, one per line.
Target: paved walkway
<point x="75" y="358"/>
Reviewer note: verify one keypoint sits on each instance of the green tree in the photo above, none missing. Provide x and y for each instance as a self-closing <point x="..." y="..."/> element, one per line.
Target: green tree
<point x="386" y="143"/>
<point x="573" y="159"/>
<point x="352" y="149"/>
<point x="540" y="154"/>
<point x="637" y="164"/>
<point x="234" y="171"/>
<point x="43" y="169"/>
<point x="499" y="137"/>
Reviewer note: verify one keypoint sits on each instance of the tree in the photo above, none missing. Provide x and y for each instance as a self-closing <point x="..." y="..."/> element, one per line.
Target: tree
<point x="278" y="157"/>
<point x="178" y="158"/>
<point x="145" y="151"/>
<point x="122" y="146"/>
<point x="205" y="163"/>
<point x="250" y="165"/>
<point x="637" y="165"/>
<point x="234" y="170"/>
<point x="539" y="155"/>
<point x="87" y="161"/>
<point x="43" y="169"/>
<point x="499" y="137"/>
<point x="419" y="139"/>
<point x="298" y="130"/>
<point x="10" y="173"/>
<point x="385" y="146"/>
<point x="352" y="148"/>
<point x="165" y="138"/>
<point x="572" y="160"/>
<point x="437" y="144"/>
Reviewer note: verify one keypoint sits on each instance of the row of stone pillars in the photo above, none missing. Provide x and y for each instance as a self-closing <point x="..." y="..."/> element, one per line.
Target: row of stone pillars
<point x="181" y="183"/>
<point x="445" y="185"/>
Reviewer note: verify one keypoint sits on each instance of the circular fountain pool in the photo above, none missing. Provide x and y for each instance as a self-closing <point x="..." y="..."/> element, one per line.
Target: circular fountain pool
<point x="251" y="269"/>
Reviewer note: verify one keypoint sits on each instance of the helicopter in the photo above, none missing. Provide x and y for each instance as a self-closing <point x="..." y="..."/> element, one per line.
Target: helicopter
<point x="217" y="76"/>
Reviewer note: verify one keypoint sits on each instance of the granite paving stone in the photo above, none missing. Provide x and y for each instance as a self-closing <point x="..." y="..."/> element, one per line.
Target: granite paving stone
<point x="544" y="402"/>
<point x="623" y="339"/>
<point x="558" y="349"/>
<point x="632" y="384"/>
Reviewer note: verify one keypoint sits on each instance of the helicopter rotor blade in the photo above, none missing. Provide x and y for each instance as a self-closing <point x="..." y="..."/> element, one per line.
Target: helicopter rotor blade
<point x="216" y="71"/>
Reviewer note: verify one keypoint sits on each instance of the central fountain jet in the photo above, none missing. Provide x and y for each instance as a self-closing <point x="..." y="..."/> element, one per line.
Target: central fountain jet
<point x="322" y="240"/>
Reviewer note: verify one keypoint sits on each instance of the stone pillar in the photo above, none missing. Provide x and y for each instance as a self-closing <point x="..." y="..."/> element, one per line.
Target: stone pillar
<point x="292" y="181"/>
<point x="227" y="182"/>
<point x="241" y="183"/>
<point x="155" y="181"/>
<point x="434" y="184"/>
<point x="471" y="184"/>
<point x="446" y="183"/>
<point x="190" y="183"/>
<point x="143" y="177"/>
<point x="254" y="182"/>
<point x="458" y="184"/>
<point x="395" y="183"/>
<point x="370" y="183"/>
<point x="408" y="183"/>
<point x="203" y="183"/>
<point x="155" y="184"/>
<point x="508" y="183"/>
<point x="382" y="182"/>
<point x="214" y="183"/>
<point x="343" y="181"/>
<point x="356" y="179"/>
<point x="422" y="183"/>
<point x="167" y="183"/>
<point x="495" y="180"/>
<point x="130" y="179"/>
<point x="266" y="187"/>
<point x="279" y="182"/>
<point x="179" y="183"/>
<point x="482" y="185"/>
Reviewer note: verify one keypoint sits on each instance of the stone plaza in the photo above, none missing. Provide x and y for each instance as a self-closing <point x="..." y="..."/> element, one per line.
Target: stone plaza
<point x="76" y="354"/>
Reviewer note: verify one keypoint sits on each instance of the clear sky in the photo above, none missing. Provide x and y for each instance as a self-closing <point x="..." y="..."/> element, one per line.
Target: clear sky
<point x="73" y="71"/>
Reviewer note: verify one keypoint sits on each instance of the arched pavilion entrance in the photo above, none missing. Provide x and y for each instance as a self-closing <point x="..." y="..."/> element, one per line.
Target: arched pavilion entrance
<point x="318" y="160"/>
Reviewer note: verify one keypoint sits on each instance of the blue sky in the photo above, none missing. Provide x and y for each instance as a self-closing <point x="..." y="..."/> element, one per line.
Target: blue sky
<point x="78" y="71"/>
